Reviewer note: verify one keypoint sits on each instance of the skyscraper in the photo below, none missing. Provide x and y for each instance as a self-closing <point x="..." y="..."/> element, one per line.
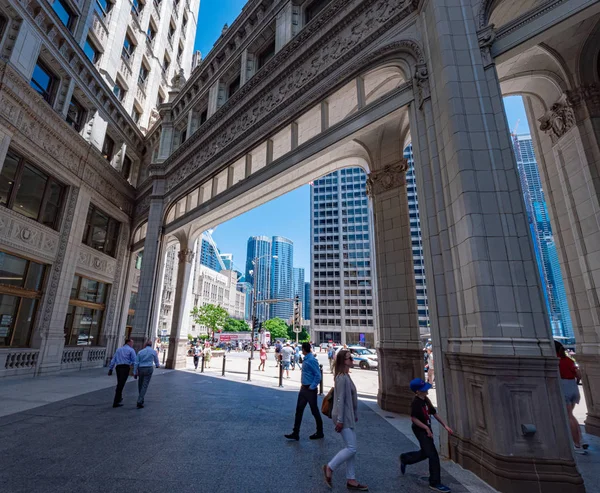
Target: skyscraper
<point x="209" y="253"/>
<point x="227" y="259"/>
<point x="342" y="279"/>
<point x="259" y="275"/>
<point x="543" y="239"/>
<point x="306" y="308"/>
<point x="299" y="287"/>
<point x="417" y="244"/>
<point x="282" y="277"/>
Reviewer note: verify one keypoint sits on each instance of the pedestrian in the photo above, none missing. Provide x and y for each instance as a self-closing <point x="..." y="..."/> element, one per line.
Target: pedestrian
<point x="421" y="411"/>
<point x="278" y="348"/>
<point x="123" y="359"/>
<point x="207" y="355"/>
<point x="430" y="368"/>
<point x="287" y="353"/>
<point x="143" y="368"/>
<point x="569" y="374"/>
<point x="297" y="355"/>
<point x="263" y="357"/>
<point x="311" y="376"/>
<point x="197" y="354"/>
<point x="331" y="357"/>
<point x="345" y="416"/>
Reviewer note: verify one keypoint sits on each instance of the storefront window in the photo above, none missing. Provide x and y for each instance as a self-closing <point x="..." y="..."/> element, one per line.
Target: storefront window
<point x="83" y="325"/>
<point x="21" y="282"/>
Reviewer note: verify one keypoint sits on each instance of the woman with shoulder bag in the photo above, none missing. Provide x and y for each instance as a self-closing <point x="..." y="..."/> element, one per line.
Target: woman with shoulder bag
<point x="344" y="415"/>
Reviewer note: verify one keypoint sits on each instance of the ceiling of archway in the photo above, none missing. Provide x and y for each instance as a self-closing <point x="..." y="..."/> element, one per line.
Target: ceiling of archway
<point x="505" y="11"/>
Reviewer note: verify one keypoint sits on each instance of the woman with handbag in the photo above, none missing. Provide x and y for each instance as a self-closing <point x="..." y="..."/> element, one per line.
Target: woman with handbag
<point x="344" y="415"/>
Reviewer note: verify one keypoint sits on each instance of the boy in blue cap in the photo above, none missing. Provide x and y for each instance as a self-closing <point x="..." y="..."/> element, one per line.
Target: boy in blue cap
<point x="421" y="411"/>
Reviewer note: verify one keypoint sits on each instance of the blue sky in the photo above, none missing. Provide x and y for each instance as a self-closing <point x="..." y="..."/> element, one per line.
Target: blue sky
<point x="288" y="215"/>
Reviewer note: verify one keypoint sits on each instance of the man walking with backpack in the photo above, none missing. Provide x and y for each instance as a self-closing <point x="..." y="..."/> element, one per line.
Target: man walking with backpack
<point x="311" y="377"/>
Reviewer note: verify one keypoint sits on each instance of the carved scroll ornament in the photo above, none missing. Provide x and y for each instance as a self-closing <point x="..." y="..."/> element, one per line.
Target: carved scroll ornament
<point x="389" y="177"/>
<point x="185" y="255"/>
<point x="558" y="120"/>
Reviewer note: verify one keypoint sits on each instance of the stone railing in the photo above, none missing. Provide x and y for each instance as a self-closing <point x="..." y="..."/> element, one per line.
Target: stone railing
<point x="83" y="357"/>
<point x="21" y="358"/>
<point x="72" y="355"/>
<point x="99" y="29"/>
<point x="96" y="354"/>
<point x="140" y="94"/>
<point x="125" y="69"/>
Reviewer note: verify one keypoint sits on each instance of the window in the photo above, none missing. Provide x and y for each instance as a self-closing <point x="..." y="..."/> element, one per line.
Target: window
<point x="165" y="66"/>
<point x="160" y="99"/>
<point x="91" y="51"/>
<point x="137" y="7"/>
<point x="179" y="53"/>
<point x="75" y="114"/>
<point x="203" y="116"/>
<point x="128" y="48"/>
<point x="233" y="87"/>
<point x="65" y="14"/>
<point x="136" y="115"/>
<point x="18" y="307"/>
<point x="314" y="9"/>
<point x="266" y="54"/>
<point x="29" y="191"/>
<point x="83" y="325"/>
<point x="171" y="33"/>
<point x="43" y="81"/>
<point x="119" y="91"/>
<point x="143" y="76"/>
<point x="108" y="148"/>
<point x="103" y="7"/>
<point x="127" y="165"/>
<point x="101" y="231"/>
<point x="150" y="33"/>
<point x="184" y="23"/>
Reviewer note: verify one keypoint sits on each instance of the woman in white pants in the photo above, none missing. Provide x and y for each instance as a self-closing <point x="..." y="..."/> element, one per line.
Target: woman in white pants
<point x="344" y="415"/>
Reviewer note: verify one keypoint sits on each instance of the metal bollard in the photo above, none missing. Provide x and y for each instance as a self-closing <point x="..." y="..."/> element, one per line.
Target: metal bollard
<point x="281" y="375"/>
<point x="321" y="383"/>
<point x="202" y="365"/>
<point x="223" y="372"/>
<point x="164" y="356"/>
<point x="249" y="368"/>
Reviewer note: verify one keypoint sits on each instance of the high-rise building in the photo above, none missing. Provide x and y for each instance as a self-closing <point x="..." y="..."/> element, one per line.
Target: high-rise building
<point x="246" y="288"/>
<point x="543" y="239"/>
<point x="306" y="308"/>
<point x="209" y="253"/>
<point x="417" y="245"/>
<point x="299" y="287"/>
<point x="282" y="277"/>
<point x="258" y="272"/>
<point x="227" y="259"/>
<point x="342" y="279"/>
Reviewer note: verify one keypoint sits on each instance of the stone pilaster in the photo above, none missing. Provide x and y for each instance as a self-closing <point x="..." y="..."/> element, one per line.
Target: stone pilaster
<point x="178" y="340"/>
<point x="399" y="347"/>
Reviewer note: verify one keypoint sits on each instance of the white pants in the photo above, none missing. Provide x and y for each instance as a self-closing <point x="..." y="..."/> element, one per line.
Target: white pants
<point x="347" y="454"/>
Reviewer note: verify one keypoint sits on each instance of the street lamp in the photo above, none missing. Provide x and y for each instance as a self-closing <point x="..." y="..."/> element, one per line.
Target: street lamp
<point x="254" y="301"/>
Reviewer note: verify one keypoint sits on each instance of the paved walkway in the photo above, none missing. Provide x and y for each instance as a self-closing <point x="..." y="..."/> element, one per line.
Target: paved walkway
<point x="197" y="433"/>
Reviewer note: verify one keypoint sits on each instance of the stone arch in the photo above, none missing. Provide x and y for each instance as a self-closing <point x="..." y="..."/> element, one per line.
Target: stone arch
<point x="500" y="12"/>
<point x="589" y="59"/>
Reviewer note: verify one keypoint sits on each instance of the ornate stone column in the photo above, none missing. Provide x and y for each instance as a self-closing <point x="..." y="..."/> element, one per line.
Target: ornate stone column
<point x="398" y="347"/>
<point x="494" y="341"/>
<point x="178" y="340"/>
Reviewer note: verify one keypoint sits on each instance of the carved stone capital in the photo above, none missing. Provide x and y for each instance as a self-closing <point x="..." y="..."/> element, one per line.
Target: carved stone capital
<point x="389" y="177"/>
<point x="587" y="96"/>
<point x="422" y="82"/>
<point x="486" y="37"/>
<point x="185" y="255"/>
<point x="558" y="120"/>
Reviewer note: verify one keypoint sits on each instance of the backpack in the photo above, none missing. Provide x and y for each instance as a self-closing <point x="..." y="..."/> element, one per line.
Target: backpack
<point x="331" y="354"/>
<point x="327" y="404"/>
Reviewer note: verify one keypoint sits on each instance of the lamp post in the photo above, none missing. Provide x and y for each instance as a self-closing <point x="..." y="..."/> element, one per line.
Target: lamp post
<point x="254" y="301"/>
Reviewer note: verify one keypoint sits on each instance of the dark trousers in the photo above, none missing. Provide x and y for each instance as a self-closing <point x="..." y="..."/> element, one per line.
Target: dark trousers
<point x="307" y="396"/>
<point x="196" y="358"/>
<point x="427" y="451"/>
<point x="122" y="374"/>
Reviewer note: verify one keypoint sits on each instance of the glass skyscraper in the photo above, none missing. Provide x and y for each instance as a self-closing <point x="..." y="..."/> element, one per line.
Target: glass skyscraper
<point x="342" y="279"/>
<point x="306" y="308"/>
<point x="282" y="277"/>
<point x="209" y="253"/>
<point x="543" y="240"/>
<point x="259" y="275"/>
<point x="299" y="287"/>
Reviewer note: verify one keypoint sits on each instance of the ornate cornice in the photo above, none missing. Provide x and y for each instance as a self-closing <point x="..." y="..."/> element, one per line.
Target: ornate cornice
<point x="28" y="236"/>
<point x="558" y="120"/>
<point x="185" y="256"/>
<point x="486" y="38"/>
<point x="587" y="95"/>
<point x="389" y="177"/>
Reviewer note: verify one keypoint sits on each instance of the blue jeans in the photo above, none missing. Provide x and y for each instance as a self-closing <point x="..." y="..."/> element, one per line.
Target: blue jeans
<point x="144" y="376"/>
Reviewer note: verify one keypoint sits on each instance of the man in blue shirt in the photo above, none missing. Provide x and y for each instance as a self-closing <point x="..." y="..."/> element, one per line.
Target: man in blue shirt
<point x="311" y="377"/>
<point x="144" y="367"/>
<point x="123" y="359"/>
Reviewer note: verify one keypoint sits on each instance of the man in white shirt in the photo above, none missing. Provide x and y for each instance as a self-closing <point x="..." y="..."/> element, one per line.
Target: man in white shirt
<point x="287" y="353"/>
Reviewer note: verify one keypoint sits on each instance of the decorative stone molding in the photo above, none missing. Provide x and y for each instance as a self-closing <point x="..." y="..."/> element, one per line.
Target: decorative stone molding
<point x="422" y="83"/>
<point x="486" y="38"/>
<point x="185" y="255"/>
<point x="558" y="120"/>
<point x="587" y="95"/>
<point x="96" y="263"/>
<point x="28" y="236"/>
<point x="389" y="177"/>
<point x="24" y="358"/>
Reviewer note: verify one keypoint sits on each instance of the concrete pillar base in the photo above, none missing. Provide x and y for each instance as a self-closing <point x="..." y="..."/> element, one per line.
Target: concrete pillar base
<point x="589" y="365"/>
<point x="489" y="398"/>
<point x="177" y="356"/>
<point x="397" y="367"/>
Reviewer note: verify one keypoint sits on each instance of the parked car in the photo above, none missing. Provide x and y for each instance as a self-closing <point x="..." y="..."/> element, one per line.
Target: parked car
<point x="364" y="358"/>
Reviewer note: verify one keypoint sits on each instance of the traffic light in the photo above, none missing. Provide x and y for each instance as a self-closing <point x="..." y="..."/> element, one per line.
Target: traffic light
<point x="297" y="313"/>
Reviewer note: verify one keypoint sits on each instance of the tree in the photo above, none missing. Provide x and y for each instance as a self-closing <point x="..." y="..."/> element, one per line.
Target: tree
<point x="233" y="325"/>
<point x="302" y="336"/>
<point x="211" y="316"/>
<point x="277" y="327"/>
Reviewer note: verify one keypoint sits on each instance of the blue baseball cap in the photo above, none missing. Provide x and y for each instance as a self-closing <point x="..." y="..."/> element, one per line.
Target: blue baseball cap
<point x="419" y="385"/>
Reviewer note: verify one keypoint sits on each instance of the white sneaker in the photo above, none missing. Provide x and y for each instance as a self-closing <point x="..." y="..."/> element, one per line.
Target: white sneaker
<point x="580" y="451"/>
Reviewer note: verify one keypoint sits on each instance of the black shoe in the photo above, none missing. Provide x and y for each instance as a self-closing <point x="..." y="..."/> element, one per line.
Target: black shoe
<point x="316" y="436"/>
<point x="118" y="405"/>
<point x="140" y="406"/>
<point x="292" y="436"/>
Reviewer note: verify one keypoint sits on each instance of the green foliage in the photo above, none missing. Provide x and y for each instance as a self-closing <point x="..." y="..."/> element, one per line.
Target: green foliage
<point x="302" y="336"/>
<point x="190" y="337"/>
<point x="233" y="325"/>
<point x="203" y="337"/>
<point x="211" y="316"/>
<point x="277" y="327"/>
